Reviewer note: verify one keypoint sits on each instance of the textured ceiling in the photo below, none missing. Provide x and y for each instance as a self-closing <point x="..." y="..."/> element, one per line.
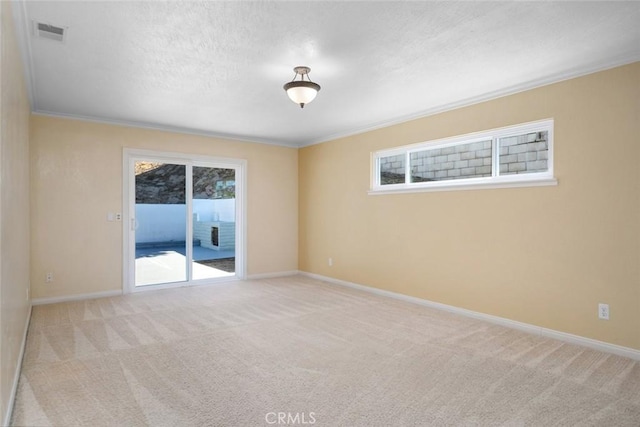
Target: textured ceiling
<point x="218" y="67"/>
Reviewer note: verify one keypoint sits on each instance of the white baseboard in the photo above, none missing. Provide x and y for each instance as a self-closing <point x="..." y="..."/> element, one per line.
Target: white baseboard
<point x="272" y="275"/>
<point x="526" y="327"/>
<point x="77" y="297"/>
<point x="16" y="376"/>
<point x="104" y="294"/>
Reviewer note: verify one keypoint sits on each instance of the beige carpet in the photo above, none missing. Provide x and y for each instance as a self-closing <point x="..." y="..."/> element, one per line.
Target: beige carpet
<point x="237" y="354"/>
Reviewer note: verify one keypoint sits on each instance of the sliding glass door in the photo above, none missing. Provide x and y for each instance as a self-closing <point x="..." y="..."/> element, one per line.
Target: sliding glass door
<point x="214" y="225"/>
<point x="184" y="222"/>
<point x="160" y="223"/>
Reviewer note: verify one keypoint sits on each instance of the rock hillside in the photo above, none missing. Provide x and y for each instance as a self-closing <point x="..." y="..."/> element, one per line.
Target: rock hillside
<point x="165" y="183"/>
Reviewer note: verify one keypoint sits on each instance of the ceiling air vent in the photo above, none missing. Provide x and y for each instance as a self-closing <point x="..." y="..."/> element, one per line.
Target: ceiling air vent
<point x="48" y="31"/>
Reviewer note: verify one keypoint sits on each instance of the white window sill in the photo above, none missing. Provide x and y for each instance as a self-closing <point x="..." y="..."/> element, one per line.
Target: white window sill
<point x="456" y="185"/>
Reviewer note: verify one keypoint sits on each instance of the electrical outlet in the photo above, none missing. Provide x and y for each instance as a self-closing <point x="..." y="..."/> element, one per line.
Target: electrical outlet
<point x="118" y="217"/>
<point x="603" y="311"/>
<point x="330" y="262"/>
<point x="49" y="278"/>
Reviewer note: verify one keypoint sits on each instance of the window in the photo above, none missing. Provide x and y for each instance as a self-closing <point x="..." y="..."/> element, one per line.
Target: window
<point x="515" y="156"/>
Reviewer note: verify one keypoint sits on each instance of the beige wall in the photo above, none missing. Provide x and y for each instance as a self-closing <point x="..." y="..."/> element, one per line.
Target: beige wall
<point x="76" y="179"/>
<point x="545" y="256"/>
<point x="14" y="206"/>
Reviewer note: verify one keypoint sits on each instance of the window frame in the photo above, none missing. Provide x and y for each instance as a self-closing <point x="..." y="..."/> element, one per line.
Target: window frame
<point x="496" y="180"/>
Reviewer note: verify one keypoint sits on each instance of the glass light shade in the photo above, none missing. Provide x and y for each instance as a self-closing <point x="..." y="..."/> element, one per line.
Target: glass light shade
<point x="302" y="92"/>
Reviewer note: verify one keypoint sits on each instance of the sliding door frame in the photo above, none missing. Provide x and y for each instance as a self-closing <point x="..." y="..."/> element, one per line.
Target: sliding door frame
<point x="129" y="157"/>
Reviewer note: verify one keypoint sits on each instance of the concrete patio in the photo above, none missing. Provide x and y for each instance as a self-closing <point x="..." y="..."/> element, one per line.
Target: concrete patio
<point x="167" y="263"/>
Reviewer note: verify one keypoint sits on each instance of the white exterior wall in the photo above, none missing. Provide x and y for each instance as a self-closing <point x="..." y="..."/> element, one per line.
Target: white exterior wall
<point x="164" y="223"/>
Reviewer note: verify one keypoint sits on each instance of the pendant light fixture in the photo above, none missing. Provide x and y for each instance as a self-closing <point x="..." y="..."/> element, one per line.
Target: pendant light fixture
<point x="302" y="91"/>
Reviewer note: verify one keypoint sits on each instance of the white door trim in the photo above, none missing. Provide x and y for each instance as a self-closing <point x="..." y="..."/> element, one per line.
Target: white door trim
<point x="128" y="211"/>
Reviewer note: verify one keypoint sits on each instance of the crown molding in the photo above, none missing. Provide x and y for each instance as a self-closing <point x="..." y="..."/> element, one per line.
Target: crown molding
<point x="512" y="90"/>
<point x="163" y="128"/>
